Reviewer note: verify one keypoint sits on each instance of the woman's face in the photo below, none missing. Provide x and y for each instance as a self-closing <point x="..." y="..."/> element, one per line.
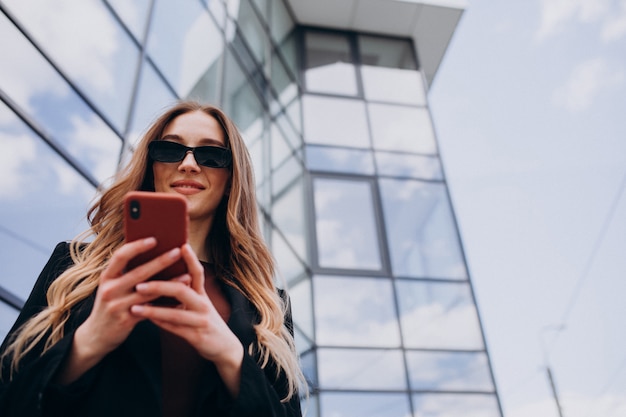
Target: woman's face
<point x="203" y="187"/>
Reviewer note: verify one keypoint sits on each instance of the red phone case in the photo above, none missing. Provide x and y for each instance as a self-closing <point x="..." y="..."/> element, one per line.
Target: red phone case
<point x="161" y="215"/>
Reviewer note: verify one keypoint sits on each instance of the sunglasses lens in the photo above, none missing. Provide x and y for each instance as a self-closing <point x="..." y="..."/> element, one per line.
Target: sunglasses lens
<point x="165" y="151"/>
<point x="213" y="156"/>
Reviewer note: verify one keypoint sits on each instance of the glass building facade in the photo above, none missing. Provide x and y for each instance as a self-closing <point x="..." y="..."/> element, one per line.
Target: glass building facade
<point x="350" y="184"/>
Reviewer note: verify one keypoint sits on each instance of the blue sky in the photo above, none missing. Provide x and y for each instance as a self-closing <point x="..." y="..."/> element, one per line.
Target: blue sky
<point x="530" y="110"/>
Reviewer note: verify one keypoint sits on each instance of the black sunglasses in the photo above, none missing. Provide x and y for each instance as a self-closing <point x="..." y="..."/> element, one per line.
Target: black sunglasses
<point x="208" y="156"/>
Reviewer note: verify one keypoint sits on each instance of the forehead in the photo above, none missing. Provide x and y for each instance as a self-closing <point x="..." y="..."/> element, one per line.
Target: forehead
<point x="195" y="128"/>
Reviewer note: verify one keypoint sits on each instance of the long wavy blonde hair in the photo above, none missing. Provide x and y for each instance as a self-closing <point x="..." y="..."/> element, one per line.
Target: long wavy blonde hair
<point x="245" y="257"/>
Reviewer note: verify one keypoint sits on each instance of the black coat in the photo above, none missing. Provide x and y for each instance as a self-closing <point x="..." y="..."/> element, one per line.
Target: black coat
<point x="127" y="382"/>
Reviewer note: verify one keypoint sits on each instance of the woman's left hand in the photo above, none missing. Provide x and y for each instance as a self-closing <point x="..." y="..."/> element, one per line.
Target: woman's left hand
<point x="197" y="320"/>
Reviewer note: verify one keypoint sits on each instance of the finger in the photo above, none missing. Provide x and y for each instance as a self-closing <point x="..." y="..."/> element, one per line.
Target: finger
<point x="195" y="268"/>
<point x="169" y="316"/>
<point x="149" y="269"/>
<point x="185" y="295"/>
<point x="126" y="252"/>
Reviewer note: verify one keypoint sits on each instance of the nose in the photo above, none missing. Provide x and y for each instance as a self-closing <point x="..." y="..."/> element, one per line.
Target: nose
<point x="189" y="164"/>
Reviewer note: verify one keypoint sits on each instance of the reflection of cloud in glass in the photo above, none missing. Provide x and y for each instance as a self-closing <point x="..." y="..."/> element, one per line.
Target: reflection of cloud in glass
<point x="421" y="230"/>
<point x="325" y="121"/>
<point x="355" y="312"/>
<point x="393" y="85"/>
<point x="455" y="405"/>
<point x="438" y="315"/>
<point x="18" y="152"/>
<point x="98" y="147"/>
<point x="59" y="22"/>
<point x="338" y="404"/>
<point x="401" y="128"/>
<point x="346" y="231"/>
<point x="361" y="369"/>
<point x="449" y="371"/>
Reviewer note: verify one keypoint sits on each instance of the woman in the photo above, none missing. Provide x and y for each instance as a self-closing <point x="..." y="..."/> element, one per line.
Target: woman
<point x="89" y="342"/>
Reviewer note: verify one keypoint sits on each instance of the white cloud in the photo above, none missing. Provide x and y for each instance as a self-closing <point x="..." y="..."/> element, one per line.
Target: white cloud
<point x="615" y="26"/>
<point x="557" y="15"/>
<point x="585" y="82"/>
<point x="19" y="151"/>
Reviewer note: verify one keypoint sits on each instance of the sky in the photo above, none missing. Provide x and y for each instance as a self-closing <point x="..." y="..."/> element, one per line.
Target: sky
<point x="529" y="105"/>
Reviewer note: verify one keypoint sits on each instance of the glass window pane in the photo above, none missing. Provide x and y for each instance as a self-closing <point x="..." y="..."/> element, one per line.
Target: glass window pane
<point x="329" y="66"/>
<point x="184" y="43"/>
<point x="333" y="159"/>
<point x="345" y="224"/>
<point x="386" y="52"/>
<point x="389" y="72"/>
<point x="393" y="85"/>
<point x="325" y="122"/>
<point x="253" y="31"/>
<point x="134" y="13"/>
<point x="449" y="371"/>
<point x="369" y="369"/>
<point x="290" y="267"/>
<point x="101" y="62"/>
<point x="44" y="201"/>
<point x="288" y="216"/>
<point x="286" y="174"/>
<point x="421" y="231"/>
<point x="355" y="312"/>
<point x="302" y="307"/>
<point x="281" y="80"/>
<point x="338" y="404"/>
<point x="152" y="98"/>
<point x="436" y="315"/>
<point x="281" y="22"/>
<point x="8" y="315"/>
<point x="455" y="405"/>
<point x="402" y="128"/>
<point x="406" y="165"/>
<point x="37" y="89"/>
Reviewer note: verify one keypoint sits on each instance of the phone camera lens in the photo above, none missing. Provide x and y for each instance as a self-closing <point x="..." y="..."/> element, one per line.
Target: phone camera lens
<point x="135" y="211"/>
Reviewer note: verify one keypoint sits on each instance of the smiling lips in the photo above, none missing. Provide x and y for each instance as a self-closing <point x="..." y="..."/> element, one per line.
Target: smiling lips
<point x="187" y="187"/>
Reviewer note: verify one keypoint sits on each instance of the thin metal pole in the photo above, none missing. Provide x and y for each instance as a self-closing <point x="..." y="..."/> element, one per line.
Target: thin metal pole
<point x="556" y="397"/>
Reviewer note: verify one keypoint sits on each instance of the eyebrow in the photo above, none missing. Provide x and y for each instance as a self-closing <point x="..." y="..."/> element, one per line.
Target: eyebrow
<point x="203" y="141"/>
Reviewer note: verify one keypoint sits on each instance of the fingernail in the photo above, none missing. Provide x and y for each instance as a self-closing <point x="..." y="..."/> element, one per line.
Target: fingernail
<point x="149" y="241"/>
<point x="174" y="253"/>
<point x="141" y="286"/>
<point x="137" y="309"/>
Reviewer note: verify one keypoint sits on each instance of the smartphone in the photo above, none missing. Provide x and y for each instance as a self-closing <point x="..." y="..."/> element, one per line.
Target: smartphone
<point x="160" y="215"/>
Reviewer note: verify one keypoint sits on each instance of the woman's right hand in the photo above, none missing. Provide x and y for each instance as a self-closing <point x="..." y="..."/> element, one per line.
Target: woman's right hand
<point x="110" y="321"/>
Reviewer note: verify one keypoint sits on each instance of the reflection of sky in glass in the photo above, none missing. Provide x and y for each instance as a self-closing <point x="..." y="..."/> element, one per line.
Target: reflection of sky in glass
<point x="393" y="85"/>
<point x="288" y="265"/>
<point x="420" y="230"/>
<point x="455" y="405"/>
<point x="98" y="60"/>
<point x="325" y="122"/>
<point x="405" y="165"/>
<point x="35" y="87"/>
<point x="184" y="43"/>
<point x="336" y="404"/>
<point x="333" y="159"/>
<point x="438" y="315"/>
<point x="401" y="128"/>
<point x="44" y="201"/>
<point x="301" y="307"/>
<point x="329" y="67"/>
<point x="134" y="14"/>
<point x="361" y="369"/>
<point x="355" y="312"/>
<point x="346" y="230"/>
<point x="449" y="371"/>
<point x="8" y="315"/>
<point x="288" y="215"/>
